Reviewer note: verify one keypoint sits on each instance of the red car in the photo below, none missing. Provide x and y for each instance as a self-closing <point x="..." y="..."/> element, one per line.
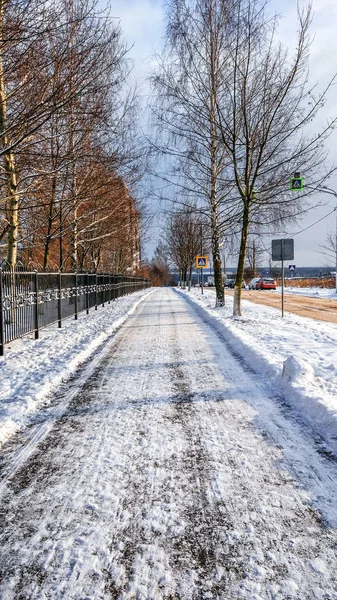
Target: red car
<point x="265" y="284"/>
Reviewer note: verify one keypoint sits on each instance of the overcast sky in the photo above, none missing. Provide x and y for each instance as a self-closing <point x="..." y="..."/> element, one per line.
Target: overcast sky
<point x="142" y="22"/>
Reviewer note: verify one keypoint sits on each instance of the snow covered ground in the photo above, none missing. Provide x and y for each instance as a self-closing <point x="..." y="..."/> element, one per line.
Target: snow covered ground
<point x="297" y="355"/>
<point x="174" y="471"/>
<point x="31" y="371"/>
<point x="315" y="292"/>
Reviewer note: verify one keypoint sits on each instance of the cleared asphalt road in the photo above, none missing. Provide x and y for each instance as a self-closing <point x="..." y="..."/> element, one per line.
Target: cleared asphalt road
<point x="172" y="474"/>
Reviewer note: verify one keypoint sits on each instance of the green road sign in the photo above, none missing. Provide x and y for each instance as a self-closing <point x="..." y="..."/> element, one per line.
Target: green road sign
<point x="296" y="184"/>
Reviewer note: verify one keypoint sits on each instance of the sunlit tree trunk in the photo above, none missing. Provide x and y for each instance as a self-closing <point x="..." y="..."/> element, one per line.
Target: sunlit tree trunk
<point x="241" y="262"/>
<point x="218" y="279"/>
<point x="12" y="203"/>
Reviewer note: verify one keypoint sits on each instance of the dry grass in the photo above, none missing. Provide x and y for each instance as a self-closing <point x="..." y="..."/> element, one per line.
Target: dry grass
<point x="326" y="282"/>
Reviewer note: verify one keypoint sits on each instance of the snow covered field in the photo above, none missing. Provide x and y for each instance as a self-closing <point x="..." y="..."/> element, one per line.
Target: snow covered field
<point x="298" y="356"/>
<point x="173" y="469"/>
<point x="315" y="292"/>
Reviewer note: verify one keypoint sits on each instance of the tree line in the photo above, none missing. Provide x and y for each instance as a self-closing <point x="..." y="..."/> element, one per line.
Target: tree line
<point x="69" y="147"/>
<point x="235" y="118"/>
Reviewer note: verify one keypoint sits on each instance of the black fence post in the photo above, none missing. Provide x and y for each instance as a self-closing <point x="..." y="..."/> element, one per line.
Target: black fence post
<point x="96" y="291"/>
<point x="2" y="331"/>
<point x="103" y="291"/>
<point x="60" y="301"/>
<point x="113" y="289"/>
<point x="76" y="298"/>
<point x="36" y="305"/>
<point x="87" y="294"/>
<point x="109" y="288"/>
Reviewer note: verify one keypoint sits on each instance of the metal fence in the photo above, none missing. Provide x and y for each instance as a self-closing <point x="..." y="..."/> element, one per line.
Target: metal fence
<point x="30" y="301"/>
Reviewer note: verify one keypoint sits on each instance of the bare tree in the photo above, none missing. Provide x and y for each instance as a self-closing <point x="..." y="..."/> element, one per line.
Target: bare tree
<point x="184" y="242"/>
<point x="66" y="116"/>
<point x="159" y="269"/>
<point x="329" y="250"/>
<point x="264" y="110"/>
<point x="254" y="253"/>
<point x="187" y="82"/>
<point x="236" y="111"/>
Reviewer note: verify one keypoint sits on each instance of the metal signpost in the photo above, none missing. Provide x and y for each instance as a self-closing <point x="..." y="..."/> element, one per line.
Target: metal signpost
<point x="202" y="263"/>
<point x="282" y="250"/>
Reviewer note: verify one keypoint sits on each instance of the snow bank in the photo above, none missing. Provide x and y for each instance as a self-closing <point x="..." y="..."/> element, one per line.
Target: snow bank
<point x="296" y="356"/>
<point x="297" y="371"/>
<point x="33" y="369"/>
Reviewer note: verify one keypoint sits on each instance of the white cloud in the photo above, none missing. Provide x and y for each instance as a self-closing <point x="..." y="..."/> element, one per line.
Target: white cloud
<point x="142" y="23"/>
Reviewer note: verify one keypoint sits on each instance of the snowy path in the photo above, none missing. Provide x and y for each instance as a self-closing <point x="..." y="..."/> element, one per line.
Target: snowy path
<point x="173" y="474"/>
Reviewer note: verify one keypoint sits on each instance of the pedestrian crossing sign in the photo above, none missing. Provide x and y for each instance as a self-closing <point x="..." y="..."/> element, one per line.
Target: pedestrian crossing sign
<point x="296" y="184"/>
<point x="202" y="262"/>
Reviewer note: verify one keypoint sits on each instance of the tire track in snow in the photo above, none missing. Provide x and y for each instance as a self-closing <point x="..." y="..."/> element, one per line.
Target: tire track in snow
<point x="301" y="516"/>
<point x="205" y="518"/>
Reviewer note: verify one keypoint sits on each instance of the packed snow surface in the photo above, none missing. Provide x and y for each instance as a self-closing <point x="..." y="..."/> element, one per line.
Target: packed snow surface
<point x="297" y="355"/>
<point x="32" y="370"/>
<point x="171" y="466"/>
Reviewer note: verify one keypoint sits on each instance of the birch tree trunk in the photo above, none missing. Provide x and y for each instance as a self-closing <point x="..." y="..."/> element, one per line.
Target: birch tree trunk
<point x="218" y="280"/>
<point x="50" y="225"/>
<point x="12" y="201"/>
<point x="241" y="263"/>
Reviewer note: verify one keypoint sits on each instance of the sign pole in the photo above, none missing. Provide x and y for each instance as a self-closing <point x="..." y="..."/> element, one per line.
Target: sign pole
<point x="2" y="330"/>
<point x="282" y="288"/>
<point x="282" y="250"/>
<point x="202" y="270"/>
<point x="224" y="277"/>
<point x="201" y="263"/>
<point x="282" y="255"/>
<point x="336" y="251"/>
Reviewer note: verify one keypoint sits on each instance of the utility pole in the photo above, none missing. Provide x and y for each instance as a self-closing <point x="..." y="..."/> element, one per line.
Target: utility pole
<point x="282" y="300"/>
<point x="224" y="277"/>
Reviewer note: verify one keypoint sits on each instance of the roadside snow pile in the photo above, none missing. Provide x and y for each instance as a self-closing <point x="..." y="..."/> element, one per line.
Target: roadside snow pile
<point x="33" y="369"/>
<point x="304" y="390"/>
<point x="296" y="371"/>
<point x="296" y="355"/>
